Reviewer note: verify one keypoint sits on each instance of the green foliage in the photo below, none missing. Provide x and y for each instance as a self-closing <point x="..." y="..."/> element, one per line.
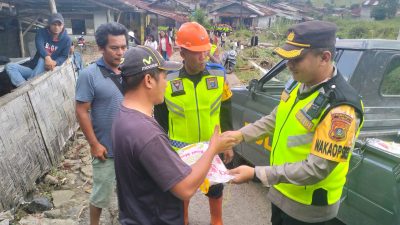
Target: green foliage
<point x="391" y="8"/>
<point x="350" y="28"/>
<point x="378" y="13"/>
<point x="162" y="28"/>
<point x="391" y="83"/>
<point x="201" y="17"/>
<point x="358" y="32"/>
<point x="385" y="9"/>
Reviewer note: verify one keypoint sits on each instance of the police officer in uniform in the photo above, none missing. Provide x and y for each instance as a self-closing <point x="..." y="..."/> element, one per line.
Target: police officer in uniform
<point x="314" y="129"/>
<point x="196" y="99"/>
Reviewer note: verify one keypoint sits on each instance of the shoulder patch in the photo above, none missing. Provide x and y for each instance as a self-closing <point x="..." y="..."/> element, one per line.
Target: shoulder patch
<point x="340" y="126"/>
<point x="335" y="135"/>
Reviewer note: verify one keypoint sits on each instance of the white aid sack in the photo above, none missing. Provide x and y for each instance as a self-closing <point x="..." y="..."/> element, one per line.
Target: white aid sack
<point x="217" y="173"/>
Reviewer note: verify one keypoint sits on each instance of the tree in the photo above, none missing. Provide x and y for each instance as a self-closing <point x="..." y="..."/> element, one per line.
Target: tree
<point x="200" y="16"/>
<point x="386" y="7"/>
<point x="378" y="13"/>
<point x="391" y="8"/>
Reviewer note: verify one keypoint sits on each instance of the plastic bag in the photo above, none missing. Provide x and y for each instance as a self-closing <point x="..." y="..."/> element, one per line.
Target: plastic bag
<point x="391" y="147"/>
<point x="217" y="173"/>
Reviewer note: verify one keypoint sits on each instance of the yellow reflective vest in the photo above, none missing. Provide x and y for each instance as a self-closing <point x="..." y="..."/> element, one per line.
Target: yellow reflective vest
<point x="193" y="111"/>
<point x="213" y="49"/>
<point x="293" y="124"/>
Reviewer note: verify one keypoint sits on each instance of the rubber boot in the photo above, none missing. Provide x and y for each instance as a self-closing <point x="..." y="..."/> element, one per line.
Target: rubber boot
<point x="186" y="212"/>
<point x="216" y="210"/>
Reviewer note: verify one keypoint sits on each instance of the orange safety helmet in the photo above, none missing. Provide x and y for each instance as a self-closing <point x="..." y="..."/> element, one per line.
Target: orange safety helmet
<point x="193" y="37"/>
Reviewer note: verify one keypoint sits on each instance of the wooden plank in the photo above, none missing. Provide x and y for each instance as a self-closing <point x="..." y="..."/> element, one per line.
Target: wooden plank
<point x="23" y="154"/>
<point x="53" y="101"/>
<point x="36" y="120"/>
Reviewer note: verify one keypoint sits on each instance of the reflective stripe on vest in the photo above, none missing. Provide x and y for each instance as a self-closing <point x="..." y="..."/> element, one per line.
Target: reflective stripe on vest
<point x="292" y="143"/>
<point x="193" y="112"/>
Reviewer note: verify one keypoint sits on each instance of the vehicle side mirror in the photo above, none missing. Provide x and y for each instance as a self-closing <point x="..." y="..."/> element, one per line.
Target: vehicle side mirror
<point x="253" y="86"/>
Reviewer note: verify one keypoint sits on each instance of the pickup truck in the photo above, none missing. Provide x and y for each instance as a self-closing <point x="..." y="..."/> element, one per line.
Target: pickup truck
<point x="371" y="195"/>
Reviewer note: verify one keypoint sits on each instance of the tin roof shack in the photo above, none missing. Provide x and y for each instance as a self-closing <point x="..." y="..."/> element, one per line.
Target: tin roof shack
<point x="167" y="8"/>
<point x="289" y="13"/>
<point x="158" y="13"/>
<point x="252" y="15"/>
<point x="366" y="8"/>
<point x="81" y="17"/>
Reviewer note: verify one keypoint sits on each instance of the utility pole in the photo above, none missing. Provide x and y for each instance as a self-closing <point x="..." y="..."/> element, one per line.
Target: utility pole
<point x="109" y="16"/>
<point x="53" y="7"/>
<point x="241" y="14"/>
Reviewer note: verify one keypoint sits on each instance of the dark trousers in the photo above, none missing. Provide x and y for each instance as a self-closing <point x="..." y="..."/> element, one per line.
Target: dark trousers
<point x="281" y="218"/>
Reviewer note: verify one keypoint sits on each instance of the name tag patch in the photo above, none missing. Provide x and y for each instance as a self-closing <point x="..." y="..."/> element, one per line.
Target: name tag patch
<point x="331" y="151"/>
<point x="212" y="83"/>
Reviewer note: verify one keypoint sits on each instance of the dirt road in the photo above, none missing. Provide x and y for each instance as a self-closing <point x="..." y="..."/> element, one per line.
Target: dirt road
<point x="243" y="205"/>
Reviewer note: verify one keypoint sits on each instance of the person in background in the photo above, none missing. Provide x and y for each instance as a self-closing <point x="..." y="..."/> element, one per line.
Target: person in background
<point x="53" y="46"/>
<point x="98" y="97"/>
<point x="223" y="39"/>
<point x="213" y="55"/>
<point x="133" y="41"/>
<point x="165" y="45"/>
<point x="76" y="58"/>
<point x="151" y="42"/>
<point x="197" y="99"/>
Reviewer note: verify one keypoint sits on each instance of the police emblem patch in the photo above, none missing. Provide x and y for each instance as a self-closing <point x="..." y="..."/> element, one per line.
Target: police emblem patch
<point x="212" y="83"/>
<point x="340" y="125"/>
<point x="177" y="86"/>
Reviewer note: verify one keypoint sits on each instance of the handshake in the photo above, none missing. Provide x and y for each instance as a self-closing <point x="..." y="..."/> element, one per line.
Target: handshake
<point x="223" y="143"/>
<point x="219" y="143"/>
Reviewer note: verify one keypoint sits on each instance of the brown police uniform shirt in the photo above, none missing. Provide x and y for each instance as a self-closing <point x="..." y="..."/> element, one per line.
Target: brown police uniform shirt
<point x="315" y="168"/>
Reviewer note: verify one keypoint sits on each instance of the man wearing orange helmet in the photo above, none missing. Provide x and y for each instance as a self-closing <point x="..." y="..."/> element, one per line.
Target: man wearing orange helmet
<point x="196" y="99"/>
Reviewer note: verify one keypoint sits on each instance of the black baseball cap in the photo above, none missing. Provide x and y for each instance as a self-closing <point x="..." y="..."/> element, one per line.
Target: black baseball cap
<point x="56" y="17"/>
<point x="307" y="35"/>
<point x="142" y="58"/>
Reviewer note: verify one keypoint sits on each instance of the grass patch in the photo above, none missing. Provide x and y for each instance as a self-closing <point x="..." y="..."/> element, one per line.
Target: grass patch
<point x="247" y="75"/>
<point x="350" y="28"/>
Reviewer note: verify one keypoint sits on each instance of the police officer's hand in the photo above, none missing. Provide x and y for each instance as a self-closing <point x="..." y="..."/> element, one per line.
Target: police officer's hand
<point x="220" y="142"/>
<point x="228" y="155"/>
<point x="242" y="174"/>
<point x="235" y="134"/>
<point x="98" y="151"/>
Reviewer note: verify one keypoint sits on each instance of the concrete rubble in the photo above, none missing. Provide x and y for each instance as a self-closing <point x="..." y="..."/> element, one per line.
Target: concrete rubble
<point x="68" y="189"/>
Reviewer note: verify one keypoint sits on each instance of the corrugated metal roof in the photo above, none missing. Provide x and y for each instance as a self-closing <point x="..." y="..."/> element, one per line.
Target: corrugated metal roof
<point x="145" y="5"/>
<point x="370" y="3"/>
<point x="256" y="8"/>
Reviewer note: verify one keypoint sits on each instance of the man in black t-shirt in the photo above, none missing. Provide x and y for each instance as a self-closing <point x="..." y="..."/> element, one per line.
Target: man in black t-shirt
<point x="152" y="180"/>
